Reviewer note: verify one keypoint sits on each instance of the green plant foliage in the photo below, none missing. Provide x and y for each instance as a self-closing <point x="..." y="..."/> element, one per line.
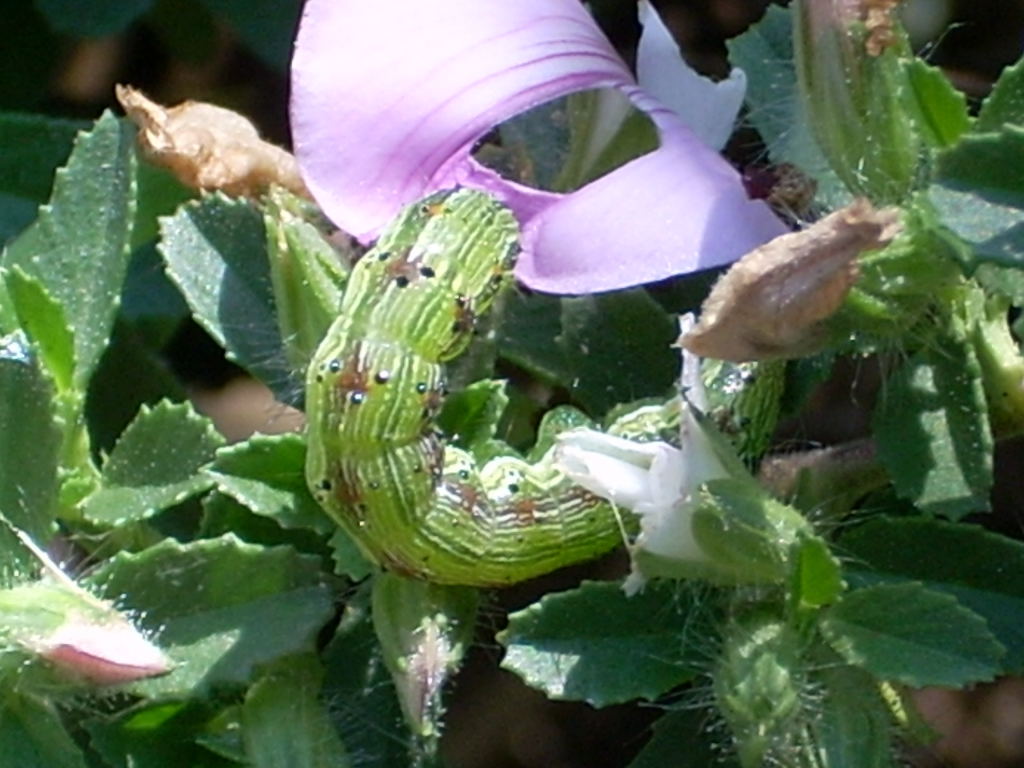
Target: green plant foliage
<point x="765" y="53"/>
<point x="979" y="568"/>
<point x="606" y="349"/>
<point x="571" y="644"/>
<point x="1005" y="104"/>
<point x="852" y="725"/>
<point x="980" y="194"/>
<point x="285" y="722"/>
<point x="153" y="735"/>
<point x="215" y="250"/>
<point x="266" y="474"/>
<point x="364" y="705"/>
<point x="34" y="147"/>
<point x="938" y="108"/>
<point x="154" y="465"/>
<point x="933" y="432"/>
<point x="33" y="735"/>
<point x="678" y="740"/>
<point x="82" y="237"/>
<point x="209" y="601"/>
<point x="912" y="635"/>
<point x="780" y="596"/>
<point x="470" y="417"/>
<point x="28" y="478"/>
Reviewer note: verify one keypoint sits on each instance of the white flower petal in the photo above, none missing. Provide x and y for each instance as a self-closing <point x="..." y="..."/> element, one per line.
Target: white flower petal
<point x="707" y="107"/>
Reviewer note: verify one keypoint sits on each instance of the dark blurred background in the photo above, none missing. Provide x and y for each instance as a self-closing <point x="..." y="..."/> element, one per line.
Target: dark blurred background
<point x="63" y="57"/>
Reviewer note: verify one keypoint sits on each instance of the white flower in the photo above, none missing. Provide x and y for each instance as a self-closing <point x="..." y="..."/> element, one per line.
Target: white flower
<point x="656" y="481"/>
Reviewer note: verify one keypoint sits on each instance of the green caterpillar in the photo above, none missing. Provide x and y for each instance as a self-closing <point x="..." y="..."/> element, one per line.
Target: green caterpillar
<point x="376" y="462"/>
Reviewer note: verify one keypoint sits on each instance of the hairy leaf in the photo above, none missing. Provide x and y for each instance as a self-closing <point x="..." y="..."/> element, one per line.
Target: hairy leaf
<point x="210" y="601"/>
<point x="1005" y="103"/>
<point x="266" y="473"/>
<point x="154" y="465"/>
<point x="29" y="441"/>
<point x="596" y="645"/>
<point x="78" y="248"/>
<point x="33" y="735"/>
<point x="215" y="250"/>
<point x="933" y="433"/>
<point x="980" y="194"/>
<point x="285" y="722"/>
<point x="913" y="635"/>
<point x="980" y="568"/>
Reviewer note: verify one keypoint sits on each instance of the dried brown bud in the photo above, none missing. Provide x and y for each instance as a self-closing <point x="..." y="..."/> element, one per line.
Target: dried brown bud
<point x="770" y="304"/>
<point x="880" y="26"/>
<point x="209" y="147"/>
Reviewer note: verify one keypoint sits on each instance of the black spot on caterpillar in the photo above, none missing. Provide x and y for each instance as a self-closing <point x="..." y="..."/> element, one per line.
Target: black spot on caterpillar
<point x="376" y="384"/>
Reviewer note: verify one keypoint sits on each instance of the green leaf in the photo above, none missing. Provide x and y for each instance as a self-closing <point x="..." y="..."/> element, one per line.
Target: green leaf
<point x="470" y="417"/>
<point x="596" y="645"/>
<point x="981" y="569"/>
<point x="1005" y="104"/>
<point x="154" y="465"/>
<point x="97" y="18"/>
<point x="220" y="607"/>
<point x="939" y="109"/>
<point x="215" y="250"/>
<point x="852" y="727"/>
<point x="682" y="739"/>
<point x="592" y="152"/>
<point x="364" y="705"/>
<point x="78" y="247"/>
<point x="29" y="441"/>
<point x="979" y="193"/>
<point x="42" y="318"/>
<point x="307" y="272"/>
<point x="222" y="734"/>
<point x="765" y="53"/>
<point x="33" y="735"/>
<point x="932" y="430"/>
<point x="114" y="399"/>
<point x="160" y="194"/>
<point x="528" y="335"/>
<point x="222" y="514"/>
<point x="912" y="635"/>
<point x="819" y="578"/>
<point x="154" y="735"/>
<point x="605" y="349"/>
<point x="267" y="475"/>
<point x="285" y="723"/>
<point x="349" y="559"/>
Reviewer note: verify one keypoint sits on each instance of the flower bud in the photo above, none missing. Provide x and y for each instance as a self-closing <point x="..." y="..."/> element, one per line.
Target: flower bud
<point x="424" y="630"/>
<point x="79" y="636"/>
<point x="82" y="638"/>
<point x="758" y="685"/>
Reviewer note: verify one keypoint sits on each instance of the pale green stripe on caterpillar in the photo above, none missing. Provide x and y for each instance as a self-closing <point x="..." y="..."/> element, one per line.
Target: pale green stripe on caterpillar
<point x="375" y="460"/>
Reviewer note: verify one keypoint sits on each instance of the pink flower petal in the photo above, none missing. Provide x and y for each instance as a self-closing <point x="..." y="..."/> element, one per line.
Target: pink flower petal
<point x="389" y="98"/>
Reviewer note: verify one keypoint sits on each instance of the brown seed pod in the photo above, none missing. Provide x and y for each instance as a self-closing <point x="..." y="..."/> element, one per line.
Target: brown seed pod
<point x="208" y="147"/>
<point x="770" y="303"/>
